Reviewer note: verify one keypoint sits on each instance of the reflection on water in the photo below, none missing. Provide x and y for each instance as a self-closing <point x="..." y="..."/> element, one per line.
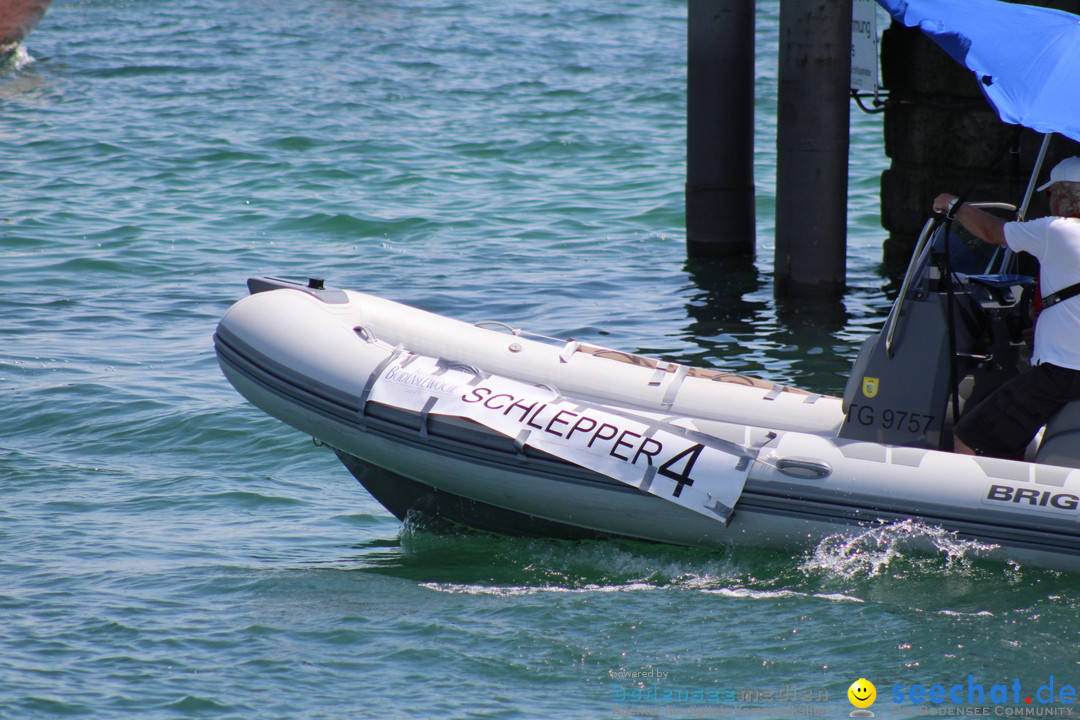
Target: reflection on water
<point x="721" y="303"/>
<point x="903" y="564"/>
<point x="738" y="325"/>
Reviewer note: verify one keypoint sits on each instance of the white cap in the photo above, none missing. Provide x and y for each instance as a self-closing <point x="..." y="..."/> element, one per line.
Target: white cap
<point x="1068" y="170"/>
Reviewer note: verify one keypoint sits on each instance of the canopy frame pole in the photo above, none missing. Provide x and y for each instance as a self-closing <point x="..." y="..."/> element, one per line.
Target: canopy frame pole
<point x="1021" y="214"/>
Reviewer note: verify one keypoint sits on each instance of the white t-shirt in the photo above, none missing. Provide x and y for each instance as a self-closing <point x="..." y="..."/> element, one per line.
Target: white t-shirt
<point x="1055" y="241"/>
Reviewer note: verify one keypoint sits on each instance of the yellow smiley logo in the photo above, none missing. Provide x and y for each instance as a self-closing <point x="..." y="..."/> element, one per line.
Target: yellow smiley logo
<point x="862" y="693"/>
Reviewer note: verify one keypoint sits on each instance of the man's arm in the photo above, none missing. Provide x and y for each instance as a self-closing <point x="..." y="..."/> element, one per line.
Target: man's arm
<point x="981" y="224"/>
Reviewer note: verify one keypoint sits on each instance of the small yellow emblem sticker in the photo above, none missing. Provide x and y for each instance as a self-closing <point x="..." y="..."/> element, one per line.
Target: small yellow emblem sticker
<point x="870" y="386"/>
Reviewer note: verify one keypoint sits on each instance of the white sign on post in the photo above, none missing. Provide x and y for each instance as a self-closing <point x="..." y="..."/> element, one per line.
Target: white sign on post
<point x="701" y="474"/>
<point x="864" y="46"/>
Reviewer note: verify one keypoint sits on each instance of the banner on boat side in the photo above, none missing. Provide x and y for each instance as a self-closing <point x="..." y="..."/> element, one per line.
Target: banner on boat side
<point x="698" y="472"/>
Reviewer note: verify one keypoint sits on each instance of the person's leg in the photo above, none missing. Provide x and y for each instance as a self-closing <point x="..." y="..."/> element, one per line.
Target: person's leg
<point x="960" y="447"/>
<point x="1005" y="422"/>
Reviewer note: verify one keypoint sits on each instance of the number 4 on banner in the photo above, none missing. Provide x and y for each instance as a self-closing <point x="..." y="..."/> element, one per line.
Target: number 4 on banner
<point x="682" y="478"/>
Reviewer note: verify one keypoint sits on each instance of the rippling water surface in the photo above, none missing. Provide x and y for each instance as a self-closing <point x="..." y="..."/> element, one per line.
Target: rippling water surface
<point x="168" y="551"/>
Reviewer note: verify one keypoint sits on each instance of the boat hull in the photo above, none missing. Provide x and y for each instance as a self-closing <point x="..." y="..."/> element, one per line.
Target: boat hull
<point x="316" y="362"/>
<point x="17" y="19"/>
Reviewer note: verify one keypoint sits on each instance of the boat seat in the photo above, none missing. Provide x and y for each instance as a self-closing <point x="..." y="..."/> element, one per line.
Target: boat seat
<point x="1061" y="440"/>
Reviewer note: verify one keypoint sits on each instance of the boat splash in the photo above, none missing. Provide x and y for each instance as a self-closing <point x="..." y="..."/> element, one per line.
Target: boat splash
<point x="871" y="552"/>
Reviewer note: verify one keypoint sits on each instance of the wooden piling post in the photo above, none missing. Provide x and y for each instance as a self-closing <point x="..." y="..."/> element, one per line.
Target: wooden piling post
<point x="813" y="98"/>
<point x="720" y="128"/>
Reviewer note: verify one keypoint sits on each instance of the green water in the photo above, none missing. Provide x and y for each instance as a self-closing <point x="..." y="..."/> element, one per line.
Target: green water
<point x="170" y="552"/>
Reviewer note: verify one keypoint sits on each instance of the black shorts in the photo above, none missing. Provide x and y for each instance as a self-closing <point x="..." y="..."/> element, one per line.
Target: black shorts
<point x="1004" y="423"/>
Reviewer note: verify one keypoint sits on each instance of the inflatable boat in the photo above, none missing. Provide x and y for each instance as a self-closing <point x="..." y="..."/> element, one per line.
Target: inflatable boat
<point x="496" y="429"/>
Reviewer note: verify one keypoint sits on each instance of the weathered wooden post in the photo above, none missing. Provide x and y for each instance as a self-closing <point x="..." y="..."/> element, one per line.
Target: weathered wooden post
<point x="813" y="98"/>
<point x="720" y="128"/>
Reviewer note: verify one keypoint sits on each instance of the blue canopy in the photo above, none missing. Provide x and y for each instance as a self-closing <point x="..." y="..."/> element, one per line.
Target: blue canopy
<point x="1027" y="59"/>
